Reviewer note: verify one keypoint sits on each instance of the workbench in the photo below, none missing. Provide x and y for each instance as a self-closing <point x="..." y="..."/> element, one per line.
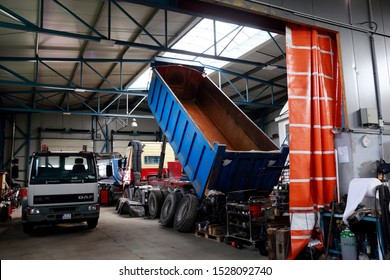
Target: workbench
<point x="370" y="226"/>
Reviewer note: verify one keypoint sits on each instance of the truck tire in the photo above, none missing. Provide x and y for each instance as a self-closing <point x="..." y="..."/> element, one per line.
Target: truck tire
<point x="28" y="228"/>
<point x="164" y="192"/>
<point x="138" y="195"/>
<point x="124" y="208"/>
<point x="92" y="223"/>
<point x="118" y="203"/>
<point x="186" y="213"/>
<point x="169" y="207"/>
<point x="155" y="202"/>
<point x="4" y="213"/>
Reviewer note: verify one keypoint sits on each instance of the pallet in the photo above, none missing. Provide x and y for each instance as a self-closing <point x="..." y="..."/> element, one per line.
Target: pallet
<point x="217" y="230"/>
<point x="206" y="235"/>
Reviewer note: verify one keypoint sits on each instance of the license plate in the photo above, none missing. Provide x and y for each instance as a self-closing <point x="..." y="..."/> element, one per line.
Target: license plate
<point x="67" y="216"/>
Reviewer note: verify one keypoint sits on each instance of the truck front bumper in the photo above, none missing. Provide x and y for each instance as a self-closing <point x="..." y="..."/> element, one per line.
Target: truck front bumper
<point x="60" y="214"/>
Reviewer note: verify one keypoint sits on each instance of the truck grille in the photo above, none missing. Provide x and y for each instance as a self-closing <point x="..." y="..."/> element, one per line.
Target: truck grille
<point x="64" y="198"/>
<point x="63" y="209"/>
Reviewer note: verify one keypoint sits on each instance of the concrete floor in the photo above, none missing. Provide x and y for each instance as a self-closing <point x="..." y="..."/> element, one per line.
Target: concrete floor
<point x="115" y="238"/>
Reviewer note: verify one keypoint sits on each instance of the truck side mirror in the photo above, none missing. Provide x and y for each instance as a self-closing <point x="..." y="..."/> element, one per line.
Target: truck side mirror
<point x="15" y="171"/>
<point x="108" y="170"/>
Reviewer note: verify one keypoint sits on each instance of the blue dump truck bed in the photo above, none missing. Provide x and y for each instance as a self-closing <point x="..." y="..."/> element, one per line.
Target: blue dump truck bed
<point x="219" y="147"/>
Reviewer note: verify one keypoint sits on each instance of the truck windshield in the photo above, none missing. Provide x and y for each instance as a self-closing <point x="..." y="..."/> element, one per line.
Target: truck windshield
<point x="57" y="169"/>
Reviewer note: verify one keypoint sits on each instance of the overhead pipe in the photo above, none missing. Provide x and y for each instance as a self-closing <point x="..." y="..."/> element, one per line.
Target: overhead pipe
<point x="374" y="60"/>
<point x="317" y="18"/>
<point x="375" y="75"/>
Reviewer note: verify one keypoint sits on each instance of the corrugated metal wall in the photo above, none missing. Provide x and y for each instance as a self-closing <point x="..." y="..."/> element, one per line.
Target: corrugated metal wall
<point x="355" y="159"/>
<point x="351" y="19"/>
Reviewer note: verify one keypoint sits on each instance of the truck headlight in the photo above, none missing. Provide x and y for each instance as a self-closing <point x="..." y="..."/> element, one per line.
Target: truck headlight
<point x="94" y="207"/>
<point x="32" y="211"/>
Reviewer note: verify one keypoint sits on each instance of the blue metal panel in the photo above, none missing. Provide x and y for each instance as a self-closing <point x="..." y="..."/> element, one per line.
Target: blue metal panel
<point x="187" y="141"/>
<point x="209" y="166"/>
<point x="250" y="170"/>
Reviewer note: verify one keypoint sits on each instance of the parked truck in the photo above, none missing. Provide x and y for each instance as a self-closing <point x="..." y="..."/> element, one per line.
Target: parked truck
<point x="62" y="188"/>
<point x="226" y="157"/>
<point x="110" y="183"/>
<point x="144" y="173"/>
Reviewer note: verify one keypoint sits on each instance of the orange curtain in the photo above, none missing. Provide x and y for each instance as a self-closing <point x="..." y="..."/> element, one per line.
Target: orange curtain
<point x="314" y="110"/>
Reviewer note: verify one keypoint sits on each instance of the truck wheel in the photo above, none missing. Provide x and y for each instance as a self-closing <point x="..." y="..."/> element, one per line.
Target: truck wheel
<point x="168" y="208"/>
<point x="110" y="197"/>
<point x="28" y="228"/>
<point x="92" y="223"/>
<point x="186" y="213"/>
<point x="154" y="203"/>
<point x="138" y="195"/>
<point x="118" y="203"/>
<point x="4" y="213"/>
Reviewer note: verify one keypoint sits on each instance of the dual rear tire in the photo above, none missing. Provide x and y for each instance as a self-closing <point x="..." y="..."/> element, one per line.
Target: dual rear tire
<point x="179" y="211"/>
<point x="155" y="202"/>
<point x="186" y="213"/>
<point x="169" y="207"/>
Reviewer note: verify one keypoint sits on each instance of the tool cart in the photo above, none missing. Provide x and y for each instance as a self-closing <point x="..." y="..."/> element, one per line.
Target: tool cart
<point x="246" y="222"/>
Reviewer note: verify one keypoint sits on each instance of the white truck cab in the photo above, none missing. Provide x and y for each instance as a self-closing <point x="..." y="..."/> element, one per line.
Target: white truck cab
<point x="62" y="188"/>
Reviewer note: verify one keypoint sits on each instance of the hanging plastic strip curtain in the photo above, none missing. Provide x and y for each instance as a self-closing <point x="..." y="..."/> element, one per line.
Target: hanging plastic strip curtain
<point x="314" y="110"/>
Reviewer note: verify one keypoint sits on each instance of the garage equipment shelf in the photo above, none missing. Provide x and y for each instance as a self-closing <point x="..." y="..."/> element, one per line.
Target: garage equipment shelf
<point x="246" y="222"/>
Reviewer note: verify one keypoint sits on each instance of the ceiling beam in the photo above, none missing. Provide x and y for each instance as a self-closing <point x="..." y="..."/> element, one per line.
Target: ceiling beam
<point x="127" y="43"/>
<point x="55" y="87"/>
<point x="85" y="44"/>
<point x="78" y="113"/>
<point x="126" y="50"/>
<point x="253" y="71"/>
<point x="218" y="12"/>
<point x="40" y="89"/>
<point x="262" y="85"/>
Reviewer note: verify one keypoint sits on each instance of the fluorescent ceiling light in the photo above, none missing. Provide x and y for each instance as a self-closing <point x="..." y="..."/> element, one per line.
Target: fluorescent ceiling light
<point x="270" y="67"/>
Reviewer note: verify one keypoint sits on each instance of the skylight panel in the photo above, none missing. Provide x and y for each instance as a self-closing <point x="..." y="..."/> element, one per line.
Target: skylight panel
<point x="232" y="41"/>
